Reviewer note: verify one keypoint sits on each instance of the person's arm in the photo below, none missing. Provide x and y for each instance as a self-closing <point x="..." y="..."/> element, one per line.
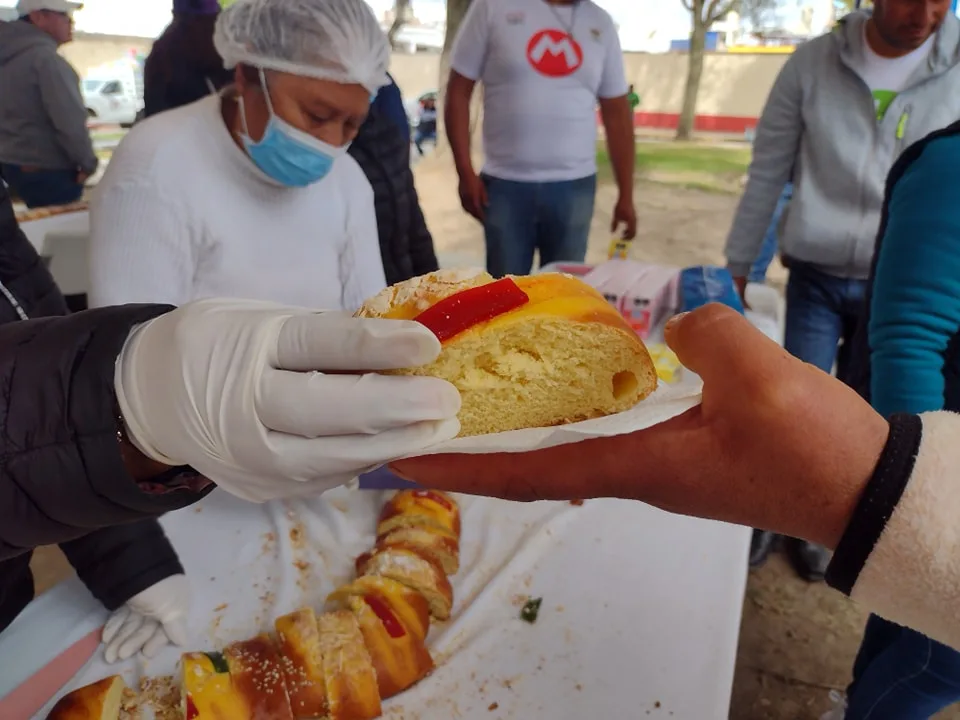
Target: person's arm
<point x="65" y="469"/>
<point x="617" y="116"/>
<point x="116" y="563"/>
<point x="422" y="252"/>
<point x="774" y="154"/>
<point x="467" y="61"/>
<point x="915" y="305"/>
<point x="141" y="247"/>
<point x="23" y="271"/>
<point x="60" y="93"/>
<point x="361" y="265"/>
<point x="900" y="554"/>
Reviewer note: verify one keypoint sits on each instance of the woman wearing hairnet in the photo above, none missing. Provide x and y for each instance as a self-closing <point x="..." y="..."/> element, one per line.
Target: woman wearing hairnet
<point x="250" y="194"/>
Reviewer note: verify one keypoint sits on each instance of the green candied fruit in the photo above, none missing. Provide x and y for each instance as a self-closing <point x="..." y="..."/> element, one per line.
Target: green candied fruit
<point x="531" y="610"/>
<point x="219" y="662"/>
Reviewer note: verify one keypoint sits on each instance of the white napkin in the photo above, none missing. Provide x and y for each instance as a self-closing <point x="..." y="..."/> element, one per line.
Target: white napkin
<point x="666" y="402"/>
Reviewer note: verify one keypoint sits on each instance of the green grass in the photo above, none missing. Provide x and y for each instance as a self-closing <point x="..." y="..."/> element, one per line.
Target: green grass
<point x="707" y="167"/>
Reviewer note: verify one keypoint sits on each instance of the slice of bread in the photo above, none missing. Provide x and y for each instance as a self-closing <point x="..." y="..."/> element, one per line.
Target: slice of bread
<point x="257" y="674"/>
<point x="416" y="572"/>
<point x="97" y="701"/>
<point x="208" y="690"/>
<point x="413" y="508"/>
<point x="409" y="605"/>
<point x="399" y="657"/>
<point x="348" y="671"/>
<point x="438" y="545"/>
<point x="299" y="641"/>
<point x="565" y="355"/>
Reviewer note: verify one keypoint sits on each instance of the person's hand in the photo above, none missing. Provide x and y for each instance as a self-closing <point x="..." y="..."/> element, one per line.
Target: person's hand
<point x="776" y="444"/>
<point x="271" y="401"/>
<point x="740" y="283"/>
<point x="473" y="195"/>
<point x="625" y="214"/>
<point x="149" y="621"/>
<point x="82" y="178"/>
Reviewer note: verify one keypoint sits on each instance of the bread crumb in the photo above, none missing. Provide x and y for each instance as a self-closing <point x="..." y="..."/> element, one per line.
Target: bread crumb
<point x="221" y="607"/>
<point x="577" y="502"/>
<point x="493" y="706"/>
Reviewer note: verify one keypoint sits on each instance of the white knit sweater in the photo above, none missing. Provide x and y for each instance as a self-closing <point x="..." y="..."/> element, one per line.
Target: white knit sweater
<point x="182" y="213"/>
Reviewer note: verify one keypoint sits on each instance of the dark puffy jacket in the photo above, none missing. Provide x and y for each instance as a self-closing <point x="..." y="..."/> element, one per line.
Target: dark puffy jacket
<point x="62" y="479"/>
<point x="405" y="243"/>
<point x="183" y="65"/>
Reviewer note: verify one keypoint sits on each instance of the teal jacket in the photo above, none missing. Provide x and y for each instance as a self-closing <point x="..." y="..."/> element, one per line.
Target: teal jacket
<point x="820" y="126"/>
<point x="906" y="354"/>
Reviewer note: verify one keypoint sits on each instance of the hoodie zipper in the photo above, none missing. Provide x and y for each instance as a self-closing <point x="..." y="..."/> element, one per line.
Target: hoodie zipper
<point x="13" y="302"/>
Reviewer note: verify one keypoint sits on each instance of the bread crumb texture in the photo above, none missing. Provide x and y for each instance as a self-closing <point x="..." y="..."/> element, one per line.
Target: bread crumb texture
<point x="567" y="356"/>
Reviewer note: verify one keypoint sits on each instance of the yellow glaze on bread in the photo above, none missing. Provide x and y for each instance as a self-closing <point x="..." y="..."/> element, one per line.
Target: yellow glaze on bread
<point x="210" y="692"/>
<point x="566" y="355"/>
<point x="98" y="701"/>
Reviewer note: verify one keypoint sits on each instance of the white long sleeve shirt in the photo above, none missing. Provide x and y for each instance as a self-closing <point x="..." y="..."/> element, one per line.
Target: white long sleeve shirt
<point x="182" y="213"/>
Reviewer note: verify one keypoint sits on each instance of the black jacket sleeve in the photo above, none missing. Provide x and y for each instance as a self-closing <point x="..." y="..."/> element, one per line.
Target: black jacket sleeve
<point x="28" y="282"/>
<point x="61" y="472"/>
<point x="422" y="254"/>
<point x="118" y="562"/>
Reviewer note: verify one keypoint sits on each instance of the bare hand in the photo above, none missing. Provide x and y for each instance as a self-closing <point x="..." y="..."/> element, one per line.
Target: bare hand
<point x="82" y="178"/>
<point x="777" y="444"/>
<point x="624" y="213"/>
<point x="473" y="195"/>
<point x="740" y="283"/>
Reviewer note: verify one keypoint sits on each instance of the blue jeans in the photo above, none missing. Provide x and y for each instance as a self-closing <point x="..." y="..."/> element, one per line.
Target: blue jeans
<point x="40" y="188"/>
<point x="822" y="311"/>
<point x="901" y="674"/>
<point x="550" y="217"/>
<point x="768" y="251"/>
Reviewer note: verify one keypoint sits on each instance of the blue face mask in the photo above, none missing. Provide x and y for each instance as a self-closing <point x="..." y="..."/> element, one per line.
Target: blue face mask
<point x="286" y="154"/>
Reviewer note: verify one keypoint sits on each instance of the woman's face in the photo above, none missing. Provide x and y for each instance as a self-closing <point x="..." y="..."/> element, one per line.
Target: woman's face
<point x="328" y="111"/>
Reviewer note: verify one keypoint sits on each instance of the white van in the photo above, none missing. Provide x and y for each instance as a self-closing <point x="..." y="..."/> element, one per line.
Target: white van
<point x="113" y="95"/>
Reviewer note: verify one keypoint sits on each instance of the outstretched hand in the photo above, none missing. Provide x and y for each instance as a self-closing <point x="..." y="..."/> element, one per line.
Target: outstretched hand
<point x="776" y="443"/>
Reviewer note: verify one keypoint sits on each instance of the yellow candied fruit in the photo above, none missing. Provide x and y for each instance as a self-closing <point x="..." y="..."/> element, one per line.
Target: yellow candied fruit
<point x="665" y="362"/>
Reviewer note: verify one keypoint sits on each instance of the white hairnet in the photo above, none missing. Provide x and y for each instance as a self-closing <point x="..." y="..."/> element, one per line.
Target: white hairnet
<point x="336" y="40"/>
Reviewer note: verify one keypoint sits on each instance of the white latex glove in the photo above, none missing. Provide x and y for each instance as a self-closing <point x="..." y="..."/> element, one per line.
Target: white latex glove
<point x="271" y="401"/>
<point x="149" y="620"/>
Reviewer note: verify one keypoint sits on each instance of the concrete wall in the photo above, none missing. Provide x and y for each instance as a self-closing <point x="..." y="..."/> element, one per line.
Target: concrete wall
<point x="732" y="94"/>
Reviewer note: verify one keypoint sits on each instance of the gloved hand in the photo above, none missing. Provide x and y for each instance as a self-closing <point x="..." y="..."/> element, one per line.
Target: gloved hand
<point x="271" y="401"/>
<point x="149" y="620"/>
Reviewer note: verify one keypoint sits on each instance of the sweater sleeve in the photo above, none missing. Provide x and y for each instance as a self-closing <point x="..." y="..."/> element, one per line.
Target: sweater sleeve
<point x="60" y="93"/>
<point x="61" y="471"/>
<point x="116" y="563"/>
<point x="915" y="307"/>
<point x="774" y="154"/>
<point x="900" y="554"/>
<point x="141" y="248"/>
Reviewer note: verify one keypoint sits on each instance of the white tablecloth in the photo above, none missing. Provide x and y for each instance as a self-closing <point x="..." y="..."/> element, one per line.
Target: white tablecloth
<point x="639" y="607"/>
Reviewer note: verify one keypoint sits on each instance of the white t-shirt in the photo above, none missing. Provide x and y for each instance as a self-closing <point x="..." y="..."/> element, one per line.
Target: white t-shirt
<point x="888" y="77"/>
<point x="182" y="213"/>
<point x="542" y="67"/>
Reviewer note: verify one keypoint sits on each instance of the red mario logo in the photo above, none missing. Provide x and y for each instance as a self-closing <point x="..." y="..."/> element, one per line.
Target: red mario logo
<point x="554" y="53"/>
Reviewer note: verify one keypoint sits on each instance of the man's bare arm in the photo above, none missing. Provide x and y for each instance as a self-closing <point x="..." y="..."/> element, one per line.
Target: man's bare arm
<point x="456" y="120"/>
<point x="618" y="124"/>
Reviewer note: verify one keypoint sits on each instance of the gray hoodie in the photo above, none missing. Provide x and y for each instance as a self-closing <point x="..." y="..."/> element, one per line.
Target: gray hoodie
<point x="43" y="120"/>
<point x="820" y="127"/>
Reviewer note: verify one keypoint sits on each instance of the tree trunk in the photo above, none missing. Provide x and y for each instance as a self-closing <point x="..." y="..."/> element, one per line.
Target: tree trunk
<point x="401" y="8"/>
<point x="698" y="39"/>
<point x="456" y="10"/>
